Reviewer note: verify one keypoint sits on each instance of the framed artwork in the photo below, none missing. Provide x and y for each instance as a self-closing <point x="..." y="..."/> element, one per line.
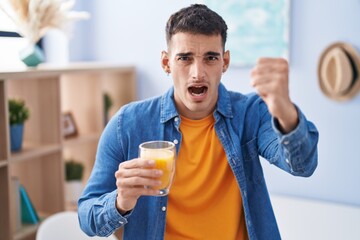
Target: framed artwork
<point x="256" y="28"/>
<point x="69" y="125"/>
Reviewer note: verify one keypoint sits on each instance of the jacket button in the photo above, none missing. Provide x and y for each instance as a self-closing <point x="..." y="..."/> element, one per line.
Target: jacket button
<point x="176" y="141"/>
<point x="163" y="209"/>
<point x="176" y="119"/>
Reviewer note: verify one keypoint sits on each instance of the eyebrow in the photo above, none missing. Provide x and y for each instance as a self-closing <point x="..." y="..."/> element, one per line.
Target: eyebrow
<point x="212" y="54"/>
<point x="188" y="54"/>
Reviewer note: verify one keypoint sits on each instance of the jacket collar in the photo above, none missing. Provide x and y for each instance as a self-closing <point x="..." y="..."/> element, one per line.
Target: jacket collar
<point x="224" y="102"/>
<point x="168" y="108"/>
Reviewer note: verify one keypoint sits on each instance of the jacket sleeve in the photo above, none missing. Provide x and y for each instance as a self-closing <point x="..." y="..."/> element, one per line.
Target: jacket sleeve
<point x="97" y="205"/>
<point x="294" y="152"/>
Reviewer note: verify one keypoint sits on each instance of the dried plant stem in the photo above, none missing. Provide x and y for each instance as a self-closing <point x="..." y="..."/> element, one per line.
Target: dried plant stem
<point x="33" y="18"/>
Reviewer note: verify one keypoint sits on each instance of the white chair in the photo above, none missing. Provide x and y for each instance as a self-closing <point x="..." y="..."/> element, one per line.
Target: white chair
<point x="63" y="225"/>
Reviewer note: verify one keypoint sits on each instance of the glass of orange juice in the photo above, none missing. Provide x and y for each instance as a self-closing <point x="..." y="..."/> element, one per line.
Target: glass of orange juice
<point x="163" y="152"/>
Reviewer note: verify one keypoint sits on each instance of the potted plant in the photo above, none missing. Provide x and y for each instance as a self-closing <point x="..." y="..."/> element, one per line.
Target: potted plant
<point x="74" y="171"/>
<point x="108" y="102"/>
<point x="18" y="114"/>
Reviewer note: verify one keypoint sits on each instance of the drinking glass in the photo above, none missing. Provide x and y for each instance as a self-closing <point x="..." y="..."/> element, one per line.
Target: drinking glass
<point x="164" y="155"/>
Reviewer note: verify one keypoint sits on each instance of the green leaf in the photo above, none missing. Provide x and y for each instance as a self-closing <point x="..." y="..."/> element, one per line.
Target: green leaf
<point x="18" y="112"/>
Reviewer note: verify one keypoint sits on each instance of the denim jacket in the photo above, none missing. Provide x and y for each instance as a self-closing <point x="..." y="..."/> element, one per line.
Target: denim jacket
<point x="245" y="129"/>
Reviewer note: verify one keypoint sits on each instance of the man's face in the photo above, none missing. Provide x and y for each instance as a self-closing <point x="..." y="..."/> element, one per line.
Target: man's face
<point x="196" y="63"/>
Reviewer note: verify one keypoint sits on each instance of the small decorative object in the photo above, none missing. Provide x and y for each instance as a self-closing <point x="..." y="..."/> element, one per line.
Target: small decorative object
<point x="74" y="173"/>
<point x="69" y="126"/>
<point x="34" y="18"/>
<point x="32" y="55"/>
<point x="18" y="114"/>
<point x="108" y="102"/>
<point x="28" y="211"/>
<point x="338" y="71"/>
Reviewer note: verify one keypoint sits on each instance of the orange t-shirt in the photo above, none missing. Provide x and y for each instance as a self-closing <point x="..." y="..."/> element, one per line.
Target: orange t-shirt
<point x="204" y="200"/>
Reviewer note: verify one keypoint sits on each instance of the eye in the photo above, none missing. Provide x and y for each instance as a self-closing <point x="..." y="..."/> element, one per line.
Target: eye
<point x="212" y="58"/>
<point x="183" y="58"/>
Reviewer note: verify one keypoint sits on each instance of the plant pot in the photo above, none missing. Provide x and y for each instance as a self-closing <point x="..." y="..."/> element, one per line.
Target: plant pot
<point x="73" y="190"/>
<point x="16" y="136"/>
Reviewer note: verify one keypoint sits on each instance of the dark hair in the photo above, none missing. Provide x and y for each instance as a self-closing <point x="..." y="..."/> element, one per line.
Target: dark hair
<point x="196" y="19"/>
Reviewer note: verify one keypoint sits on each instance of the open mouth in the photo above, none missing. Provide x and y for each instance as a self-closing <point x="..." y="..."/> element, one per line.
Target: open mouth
<point x="197" y="91"/>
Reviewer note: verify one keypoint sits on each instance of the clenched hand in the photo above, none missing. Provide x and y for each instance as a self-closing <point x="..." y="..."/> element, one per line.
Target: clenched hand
<point x="270" y="77"/>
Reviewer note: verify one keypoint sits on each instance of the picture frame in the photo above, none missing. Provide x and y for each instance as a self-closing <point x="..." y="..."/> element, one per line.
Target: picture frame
<point x="256" y="29"/>
<point x="7" y="25"/>
<point x="69" y="126"/>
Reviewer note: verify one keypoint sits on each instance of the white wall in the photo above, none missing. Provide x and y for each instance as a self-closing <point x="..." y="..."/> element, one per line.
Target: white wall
<point x="132" y="32"/>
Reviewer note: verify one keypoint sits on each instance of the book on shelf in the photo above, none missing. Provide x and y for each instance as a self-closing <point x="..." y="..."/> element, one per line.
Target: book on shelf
<point x="15" y="206"/>
<point x="28" y="212"/>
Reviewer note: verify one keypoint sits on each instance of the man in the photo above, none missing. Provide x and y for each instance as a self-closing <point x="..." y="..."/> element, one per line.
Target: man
<point x="219" y="191"/>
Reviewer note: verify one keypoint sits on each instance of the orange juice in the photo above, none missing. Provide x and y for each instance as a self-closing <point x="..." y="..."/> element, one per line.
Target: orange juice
<point x="163" y="153"/>
<point x="164" y="160"/>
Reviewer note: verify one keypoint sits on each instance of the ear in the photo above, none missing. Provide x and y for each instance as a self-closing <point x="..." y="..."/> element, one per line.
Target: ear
<point x="165" y="62"/>
<point x="226" y="60"/>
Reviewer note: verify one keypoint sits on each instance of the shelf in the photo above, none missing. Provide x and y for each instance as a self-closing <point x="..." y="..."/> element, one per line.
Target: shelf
<point x="29" y="152"/>
<point x="48" y="70"/>
<point x="84" y="153"/>
<point x="42" y="97"/>
<point x="3" y="163"/>
<point x="26" y="231"/>
<point x="42" y="179"/>
<point x="4" y="204"/>
<point x="3" y="122"/>
<point x="49" y="92"/>
<point x="82" y="139"/>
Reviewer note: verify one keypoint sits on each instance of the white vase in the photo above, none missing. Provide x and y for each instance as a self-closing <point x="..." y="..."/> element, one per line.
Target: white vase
<point x="73" y="190"/>
<point x="56" y="47"/>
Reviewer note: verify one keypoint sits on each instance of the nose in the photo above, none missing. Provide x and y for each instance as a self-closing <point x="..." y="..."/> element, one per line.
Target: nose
<point x="197" y="70"/>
